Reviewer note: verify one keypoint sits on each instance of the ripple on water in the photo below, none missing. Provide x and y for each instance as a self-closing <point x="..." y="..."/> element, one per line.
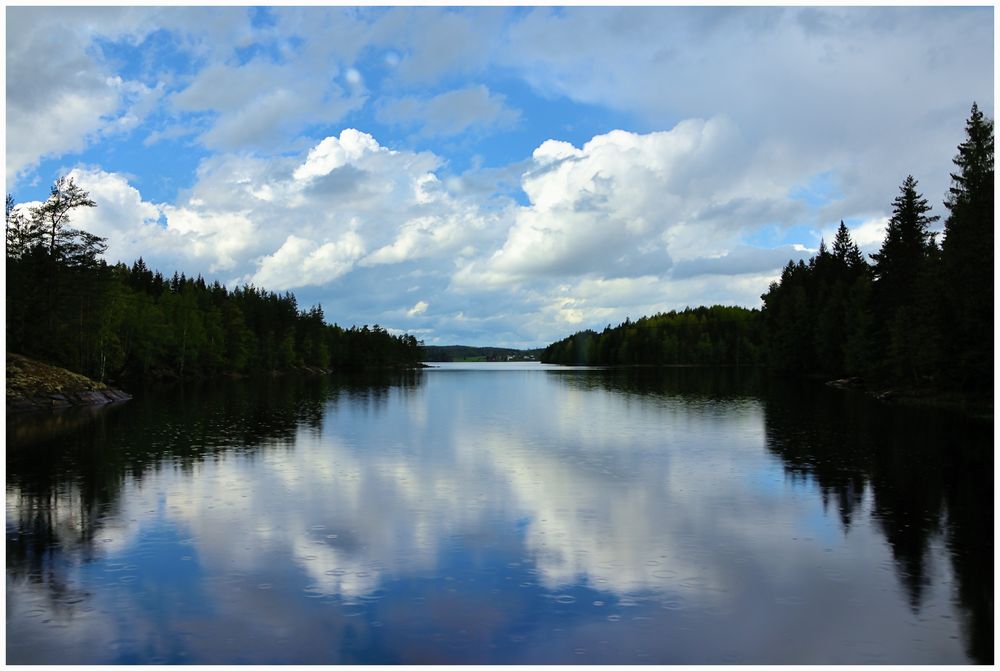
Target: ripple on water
<point x="565" y="598"/>
<point x="664" y="574"/>
<point x="675" y="603"/>
<point x="693" y="582"/>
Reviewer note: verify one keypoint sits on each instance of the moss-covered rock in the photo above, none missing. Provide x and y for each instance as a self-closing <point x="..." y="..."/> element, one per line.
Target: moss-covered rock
<point x="33" y="385"/>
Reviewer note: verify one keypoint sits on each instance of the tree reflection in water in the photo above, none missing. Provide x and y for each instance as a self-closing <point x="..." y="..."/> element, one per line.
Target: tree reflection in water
<point x="923" y="476"/>
<point x="66" y="470"/>
<point x="930" y="473"/>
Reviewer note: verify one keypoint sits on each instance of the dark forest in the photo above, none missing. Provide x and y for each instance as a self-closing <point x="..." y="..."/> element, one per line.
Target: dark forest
<point x="67" y="306"/>
<point x="918" y="313"/>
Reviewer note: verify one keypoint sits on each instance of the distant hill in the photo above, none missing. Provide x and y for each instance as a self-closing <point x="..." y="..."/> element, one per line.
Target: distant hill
<point x="466" y="353"/>
<point x="717" y="335"/>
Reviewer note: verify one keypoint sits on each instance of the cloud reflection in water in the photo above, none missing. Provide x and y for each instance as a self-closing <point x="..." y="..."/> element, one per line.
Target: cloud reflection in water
<point x="478" y="516"/>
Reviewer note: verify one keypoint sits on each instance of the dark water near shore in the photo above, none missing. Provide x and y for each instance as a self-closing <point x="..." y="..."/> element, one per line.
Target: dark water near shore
<point x="493" y="513"/>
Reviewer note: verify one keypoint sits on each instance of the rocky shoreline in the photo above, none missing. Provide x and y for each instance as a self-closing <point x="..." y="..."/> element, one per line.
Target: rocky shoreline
<point x="34" y="386"/>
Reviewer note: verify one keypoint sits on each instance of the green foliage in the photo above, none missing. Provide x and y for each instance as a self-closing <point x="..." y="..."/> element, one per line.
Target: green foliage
<point x="704" y="335"/>
<point x="67" y="306"/>
<point x="922" y="314"/>
<point x="836" y="316"/>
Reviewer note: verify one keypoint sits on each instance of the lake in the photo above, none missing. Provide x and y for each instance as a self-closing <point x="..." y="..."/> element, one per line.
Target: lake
<point x="500" y="513"/>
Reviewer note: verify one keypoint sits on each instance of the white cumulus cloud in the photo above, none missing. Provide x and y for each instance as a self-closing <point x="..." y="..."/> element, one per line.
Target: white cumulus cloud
<point x="299" y="262"/>
<point x="418" y="309"/>
<point x="625" y="225"/>
<point x="629" y="205"/>
<point x="336" y="152"/>
<point x="293" y="222"/>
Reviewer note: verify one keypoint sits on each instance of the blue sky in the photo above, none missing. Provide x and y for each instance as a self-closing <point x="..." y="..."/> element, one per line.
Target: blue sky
<point x="490" y="176"/>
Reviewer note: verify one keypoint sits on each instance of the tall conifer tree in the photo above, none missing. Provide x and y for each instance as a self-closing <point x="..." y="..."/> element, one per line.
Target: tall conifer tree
<point x="907" y="243"/>
<point x="968" y="254"/>
<point x="846" y="251"/>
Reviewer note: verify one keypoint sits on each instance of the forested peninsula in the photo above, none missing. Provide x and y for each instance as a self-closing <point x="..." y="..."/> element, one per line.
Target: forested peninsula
<point x="68" y="307"/>
<point x="918" y="316"/>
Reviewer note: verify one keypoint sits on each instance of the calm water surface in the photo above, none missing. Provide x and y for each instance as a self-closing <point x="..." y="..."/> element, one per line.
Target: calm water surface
<point x="500" y="513"/>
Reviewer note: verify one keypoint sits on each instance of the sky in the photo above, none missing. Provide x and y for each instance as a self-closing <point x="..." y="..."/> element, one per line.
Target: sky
<point x="489" y="176"/>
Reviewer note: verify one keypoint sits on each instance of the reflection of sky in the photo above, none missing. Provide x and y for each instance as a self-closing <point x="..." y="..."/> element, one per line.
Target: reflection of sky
<point x="488" y="517"/>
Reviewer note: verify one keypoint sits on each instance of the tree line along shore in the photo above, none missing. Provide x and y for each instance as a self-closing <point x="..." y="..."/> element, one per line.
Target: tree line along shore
<point x="68" y="307"/>
<point x="919" y="315"/>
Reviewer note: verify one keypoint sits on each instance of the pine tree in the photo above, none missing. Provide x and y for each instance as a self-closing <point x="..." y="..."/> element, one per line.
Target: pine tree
<point x="50" y="222"/>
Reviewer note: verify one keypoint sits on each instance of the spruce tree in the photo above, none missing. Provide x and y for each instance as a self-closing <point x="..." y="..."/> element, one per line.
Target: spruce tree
<point x="900" y="269"/>
<point x="907" y="243"/>
<point x="846" y="251"/>
<point x="18" y="228"/>
<point x="968" y="255"/>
